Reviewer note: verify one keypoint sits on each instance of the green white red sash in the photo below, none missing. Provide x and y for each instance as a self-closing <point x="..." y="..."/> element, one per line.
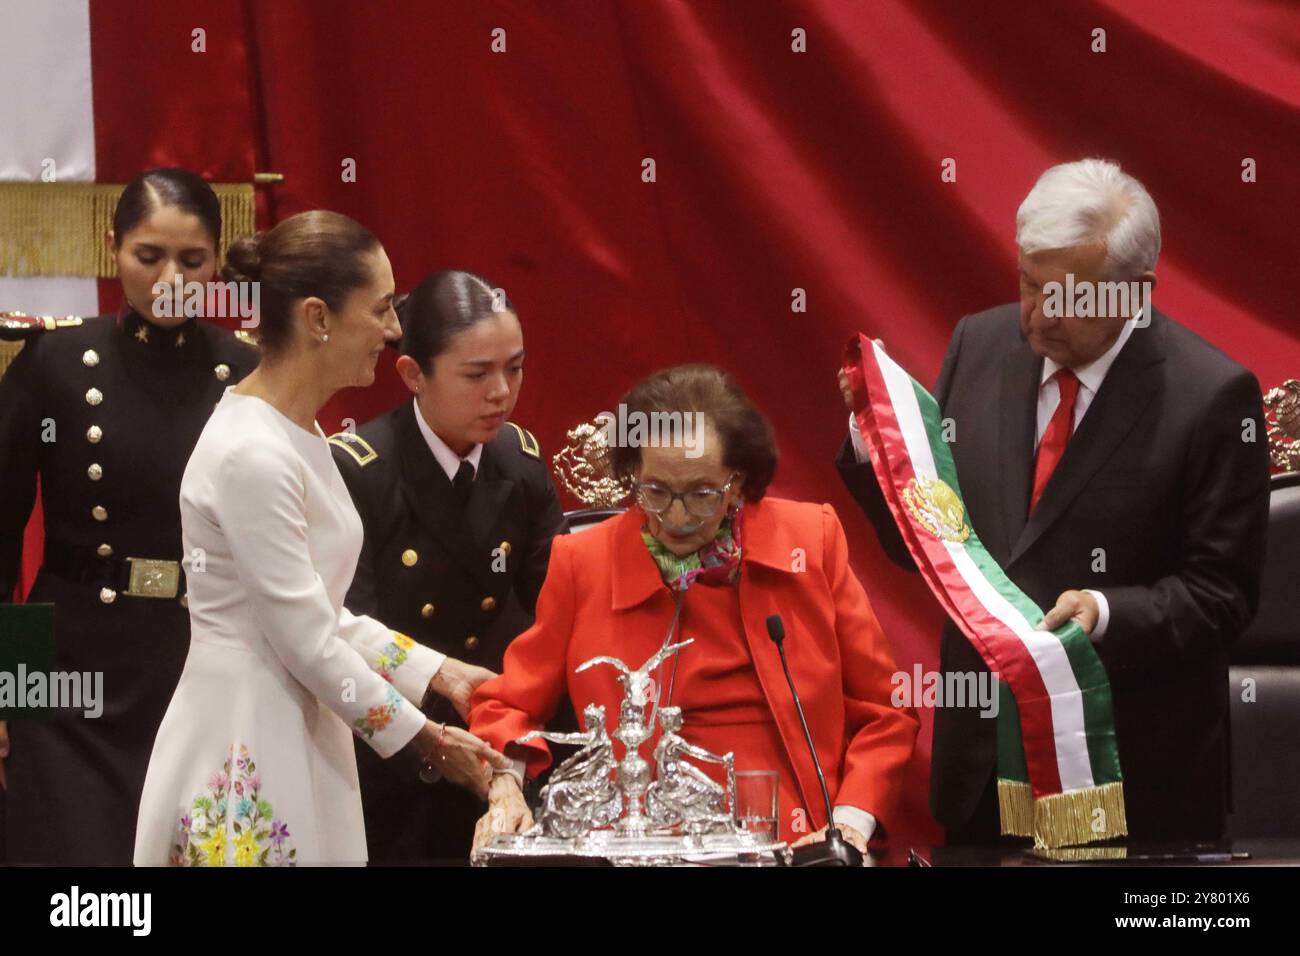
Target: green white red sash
<point x="1059" y="778"/>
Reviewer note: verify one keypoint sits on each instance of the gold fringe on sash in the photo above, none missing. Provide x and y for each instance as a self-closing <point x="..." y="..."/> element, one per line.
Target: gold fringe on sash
<point x="8" y="352"/>
<point x="1016" y="807"/>
<point x="57" y="229"/>
<point x="1085" y="854"/>
<point x="1068" y="819"/>
<point x="1062" y="819"/>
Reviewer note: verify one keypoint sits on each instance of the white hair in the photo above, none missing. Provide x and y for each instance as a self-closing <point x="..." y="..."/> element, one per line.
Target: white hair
<point x="1088" y="201"/>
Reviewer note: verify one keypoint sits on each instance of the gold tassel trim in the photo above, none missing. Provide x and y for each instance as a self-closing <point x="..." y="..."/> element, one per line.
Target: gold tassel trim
<point x="1016" y="807"/>
<point x="1062" y="819"/>
<point x="57" y="229"/>
<point x="1068" y="819"/>
<point x="8" y="352"/>
<point x="1085" y="854"/>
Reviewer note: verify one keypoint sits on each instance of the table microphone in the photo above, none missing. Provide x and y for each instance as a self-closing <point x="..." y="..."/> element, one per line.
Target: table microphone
<point x="834" y="850"/>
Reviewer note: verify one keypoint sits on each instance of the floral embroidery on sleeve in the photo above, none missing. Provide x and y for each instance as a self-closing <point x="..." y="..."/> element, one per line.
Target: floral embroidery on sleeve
<point x="231" y="824"/>
<point x="377" y="718"/>
<point x="393" y="655"/>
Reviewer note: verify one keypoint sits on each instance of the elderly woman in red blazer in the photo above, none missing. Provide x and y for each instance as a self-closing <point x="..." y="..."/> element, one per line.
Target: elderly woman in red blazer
<point x="703" y="534"/>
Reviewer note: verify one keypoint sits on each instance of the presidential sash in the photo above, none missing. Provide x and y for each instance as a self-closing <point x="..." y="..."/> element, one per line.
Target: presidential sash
<point x="1059" y="777"/>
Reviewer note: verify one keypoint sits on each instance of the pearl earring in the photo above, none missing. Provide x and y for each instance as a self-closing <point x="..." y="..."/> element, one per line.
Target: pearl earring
<point x="325" y="337"/>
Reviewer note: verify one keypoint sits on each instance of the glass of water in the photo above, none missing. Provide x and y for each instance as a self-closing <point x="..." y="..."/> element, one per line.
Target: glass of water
<point x="756" y="803"/>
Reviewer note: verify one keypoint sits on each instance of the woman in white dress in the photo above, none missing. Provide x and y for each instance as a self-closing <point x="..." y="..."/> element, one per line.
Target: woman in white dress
<point x="254" y="763"/>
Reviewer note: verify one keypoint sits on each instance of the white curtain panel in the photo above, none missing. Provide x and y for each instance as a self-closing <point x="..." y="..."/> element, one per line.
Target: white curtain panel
<point x="46" y="113"/>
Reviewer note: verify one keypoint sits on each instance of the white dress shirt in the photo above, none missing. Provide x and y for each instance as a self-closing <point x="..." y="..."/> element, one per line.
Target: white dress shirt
<point x="1090" y="378"/>
<point x="447" y="459"/>
<point x="1049" y="396"/>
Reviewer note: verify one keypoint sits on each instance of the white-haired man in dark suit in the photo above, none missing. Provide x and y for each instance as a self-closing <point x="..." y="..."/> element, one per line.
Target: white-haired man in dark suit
<point x="1115" y="465"/>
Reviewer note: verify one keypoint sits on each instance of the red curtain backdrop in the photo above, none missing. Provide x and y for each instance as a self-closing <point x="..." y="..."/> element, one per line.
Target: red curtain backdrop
<point x="775" y="171"/>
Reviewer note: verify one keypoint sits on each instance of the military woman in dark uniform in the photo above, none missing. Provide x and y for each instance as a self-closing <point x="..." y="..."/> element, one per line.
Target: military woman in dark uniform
<point x="105" y="412"/>
<point x="459" y="511"/>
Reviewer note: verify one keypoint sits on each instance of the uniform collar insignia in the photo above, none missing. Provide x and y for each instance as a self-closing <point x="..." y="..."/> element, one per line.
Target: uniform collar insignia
<point x="145" y="334"/>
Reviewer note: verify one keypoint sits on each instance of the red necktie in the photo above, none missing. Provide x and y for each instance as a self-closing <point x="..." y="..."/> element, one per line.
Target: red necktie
<point x="1057" y="435"/>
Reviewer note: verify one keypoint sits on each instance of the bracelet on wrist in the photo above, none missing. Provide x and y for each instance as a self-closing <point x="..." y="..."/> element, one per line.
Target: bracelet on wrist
<point x="431" y="765"/>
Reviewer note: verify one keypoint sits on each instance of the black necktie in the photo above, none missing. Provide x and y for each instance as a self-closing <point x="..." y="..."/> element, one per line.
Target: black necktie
<point x="463" y="482"/>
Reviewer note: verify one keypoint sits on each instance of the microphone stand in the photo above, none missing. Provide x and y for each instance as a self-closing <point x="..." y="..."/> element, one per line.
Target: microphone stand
<point x="834" y="850"/>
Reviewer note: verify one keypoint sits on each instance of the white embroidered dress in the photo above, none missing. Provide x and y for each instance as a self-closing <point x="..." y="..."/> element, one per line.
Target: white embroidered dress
<point x="253" y="763"/>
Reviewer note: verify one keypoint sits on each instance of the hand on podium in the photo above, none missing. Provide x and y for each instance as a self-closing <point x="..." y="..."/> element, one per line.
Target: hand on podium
<point x="507" y="810"/>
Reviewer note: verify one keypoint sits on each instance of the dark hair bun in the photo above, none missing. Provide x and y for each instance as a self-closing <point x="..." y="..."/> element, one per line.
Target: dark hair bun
<point x="244" y="260"/>
<point x="314" y="254"/>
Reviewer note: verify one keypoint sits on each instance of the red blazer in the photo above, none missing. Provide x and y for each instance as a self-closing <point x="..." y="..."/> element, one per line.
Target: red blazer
<point x="603" y="586"/>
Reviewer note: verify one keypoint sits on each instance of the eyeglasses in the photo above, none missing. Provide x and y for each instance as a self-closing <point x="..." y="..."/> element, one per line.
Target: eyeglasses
<point x="699" y="503"/>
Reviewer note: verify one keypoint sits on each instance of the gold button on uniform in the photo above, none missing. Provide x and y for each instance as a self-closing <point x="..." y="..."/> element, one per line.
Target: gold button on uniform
<point x="104" y="551"/>
<point x="505" y="547"/>
<point x="94" y="396"/>
<point x="471" y="643"/>
<point x="222" y="372"/>
<point x="185" y="600"/>
<point x="99" y="512"/>
<point x="488" y="603"/>
<point x="94" y="433"/>
<point x="426" y="611"/>
<point x="90" y="358"/>
<point x="107" y="595"/>
<point x="409" y="557"/>
<point x="95" y="472"/>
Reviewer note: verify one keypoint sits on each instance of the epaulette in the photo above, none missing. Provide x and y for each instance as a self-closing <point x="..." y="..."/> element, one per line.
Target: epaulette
<point x="248" y="338"/>
<point x="356" y="446"/>
<point x="527" y="443"/>
<point x="17" y="326"/>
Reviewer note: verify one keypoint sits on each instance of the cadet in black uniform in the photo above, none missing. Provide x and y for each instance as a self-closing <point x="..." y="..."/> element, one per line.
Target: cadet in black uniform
<point x="106" y="411"/>
<point x="459" y="511"/>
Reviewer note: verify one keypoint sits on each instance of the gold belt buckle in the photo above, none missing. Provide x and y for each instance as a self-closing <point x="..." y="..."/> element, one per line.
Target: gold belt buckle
<point x="154" y="579"/>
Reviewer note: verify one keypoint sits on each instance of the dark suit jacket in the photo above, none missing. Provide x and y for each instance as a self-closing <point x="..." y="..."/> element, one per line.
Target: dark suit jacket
<point x="1158" y="477"/>
<point x="466" y="568"/>
<point x="463" y="582"/>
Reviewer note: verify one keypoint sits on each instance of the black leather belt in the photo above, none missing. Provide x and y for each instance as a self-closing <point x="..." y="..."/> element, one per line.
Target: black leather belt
<point x="132" y="576"/>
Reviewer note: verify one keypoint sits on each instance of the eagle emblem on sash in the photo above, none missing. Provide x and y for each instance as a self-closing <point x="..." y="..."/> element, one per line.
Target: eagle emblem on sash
<point x="936" y="507"/>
